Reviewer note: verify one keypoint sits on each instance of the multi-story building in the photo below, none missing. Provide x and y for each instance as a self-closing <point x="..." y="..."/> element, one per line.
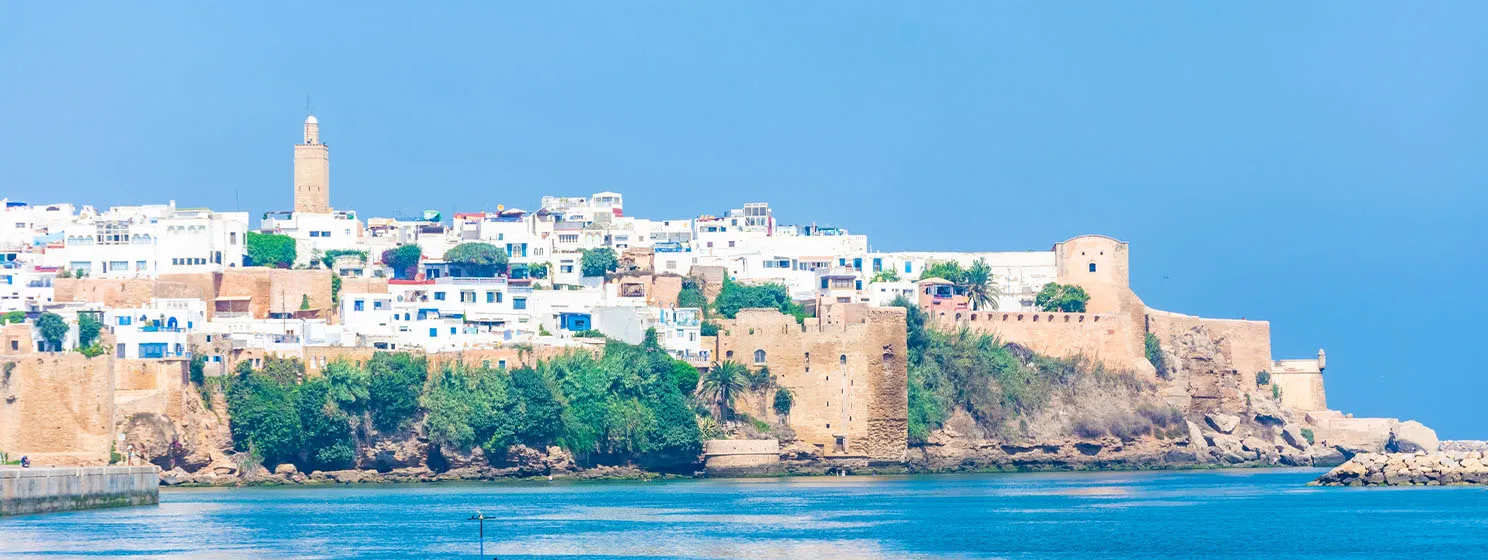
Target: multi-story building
<point x="147" y="241"/>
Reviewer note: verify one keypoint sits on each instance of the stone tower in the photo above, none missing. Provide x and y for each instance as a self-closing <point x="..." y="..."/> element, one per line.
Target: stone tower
<point x="312" y="172"/>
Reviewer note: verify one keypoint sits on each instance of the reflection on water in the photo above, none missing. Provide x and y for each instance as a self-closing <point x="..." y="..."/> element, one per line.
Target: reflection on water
<point x="1148" y="516"/>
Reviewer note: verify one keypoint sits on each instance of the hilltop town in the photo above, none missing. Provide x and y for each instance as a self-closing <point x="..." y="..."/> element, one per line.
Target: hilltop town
<point x="737" y="344"/>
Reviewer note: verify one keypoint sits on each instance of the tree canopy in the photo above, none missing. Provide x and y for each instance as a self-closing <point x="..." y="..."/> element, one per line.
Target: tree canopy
<point x="735" y="296"/>
<point x="598" y="262"/>
<point x="1066" y="298"/>
<point x="403" y="259"/>
<point x="269" y="249"/>
<point x="477" y="259"/>
<point x="88" y="328"/>
<point x="53" y="329"/>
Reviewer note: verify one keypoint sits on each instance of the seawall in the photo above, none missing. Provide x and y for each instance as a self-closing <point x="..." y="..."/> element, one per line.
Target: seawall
<point x="51" y="489"/>
<point x="1442" y="468"/>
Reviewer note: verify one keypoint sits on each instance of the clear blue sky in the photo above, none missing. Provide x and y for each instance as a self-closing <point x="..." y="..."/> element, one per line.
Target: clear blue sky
<point x="1321" y="167"/>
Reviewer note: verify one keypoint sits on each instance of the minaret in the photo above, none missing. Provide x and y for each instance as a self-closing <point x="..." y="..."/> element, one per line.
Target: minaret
<point x="312" y="172"/>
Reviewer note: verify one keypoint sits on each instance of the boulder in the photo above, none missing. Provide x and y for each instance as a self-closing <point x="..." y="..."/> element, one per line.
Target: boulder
<point x="1411" y="436"/>
<point x="1224" y="423"/>
<point x="285" y="469"/>
<point x="1293" y="437"/>
<point x="1252" y="443"/>
<point x="1196" y="436"/>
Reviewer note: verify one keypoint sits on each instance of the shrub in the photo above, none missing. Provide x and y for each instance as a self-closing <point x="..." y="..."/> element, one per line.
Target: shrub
<point x="335" y="289"/>
<point x="1308" y="435"/>
<point x="1155" y="355"/>
<point x="198" y="368"/>
<point x="589" y="333"/>
<point x="1088" y="429"/>
<point x="1276" y="392"/>
<point x="692" y="297"/>
<point x="94" y="350"/>
<point x="14" y="317"/>
<point x="269" y="249"/>
<point x="1129" y="427"/>
<point x="734" y="297"/>
<point x="886" y="275"/>
<point x="1062" y="298"/>
<point x="708" y="328"/>
<point x="1263" y="378"/>
<point x="1160" y="416"/>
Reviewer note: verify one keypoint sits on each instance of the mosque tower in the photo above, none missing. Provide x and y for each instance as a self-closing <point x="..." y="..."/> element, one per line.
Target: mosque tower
<point x="312" y="172"/>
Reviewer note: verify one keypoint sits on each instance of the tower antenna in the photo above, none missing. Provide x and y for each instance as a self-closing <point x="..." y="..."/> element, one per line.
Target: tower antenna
<point x="309" y="109"/>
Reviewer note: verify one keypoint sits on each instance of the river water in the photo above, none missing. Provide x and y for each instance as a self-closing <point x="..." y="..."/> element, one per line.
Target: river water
<point x="1216" y="514"/>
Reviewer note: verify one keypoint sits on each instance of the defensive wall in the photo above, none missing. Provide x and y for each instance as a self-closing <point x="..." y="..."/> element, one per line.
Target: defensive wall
<point x="265" y="290"/>
<point x="847" y="372"/>
<point x="725" y="456"/>
<point x="1102" y="337"/>
<point x="57" y="408"/>
<point x="51" y="489"/>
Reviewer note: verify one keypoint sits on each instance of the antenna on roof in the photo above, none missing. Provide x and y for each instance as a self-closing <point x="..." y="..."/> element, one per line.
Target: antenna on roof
<point x="309" y="109"/>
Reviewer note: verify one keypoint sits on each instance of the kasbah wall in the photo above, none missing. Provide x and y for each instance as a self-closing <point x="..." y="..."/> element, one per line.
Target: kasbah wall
<point x="847" y="370"/>
<point x="57" y="408"/>
<point x="1212" y="362"/>
<point x="269" y="290"/>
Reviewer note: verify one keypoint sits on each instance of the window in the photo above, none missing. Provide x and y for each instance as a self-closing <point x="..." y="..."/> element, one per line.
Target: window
<point x="731" y="244"/>
<point x="501" y="364"/>
<point x="125" y="320"/>
<point x="438" y="296"/>
<point x="141" y="265"/>
<point x="759" y="356"/>
<point x="519" y="303"/>
<point x="567" y="268"/>
<point x="433" y="332"/>
<point x="467" y="296"/>
<point x="232" y="238"/>
<point x="356" y="305"/>
<point x="908" y="267"/>
<point x="1092" y="267"/>
<point x="452" y="330"/>
<point x="842" y="359"/>
<point x="490" y="297"/>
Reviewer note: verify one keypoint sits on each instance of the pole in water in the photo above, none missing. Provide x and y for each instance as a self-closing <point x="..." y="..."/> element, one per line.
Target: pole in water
<point x="482" y="519"/>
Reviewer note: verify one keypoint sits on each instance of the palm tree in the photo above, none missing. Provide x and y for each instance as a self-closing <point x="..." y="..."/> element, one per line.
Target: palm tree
<point x="722" y="385"/>
<point x="979" y="287"/>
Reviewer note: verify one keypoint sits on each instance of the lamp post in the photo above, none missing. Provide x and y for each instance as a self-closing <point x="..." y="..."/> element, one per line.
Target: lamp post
<point x="482" y="519"/>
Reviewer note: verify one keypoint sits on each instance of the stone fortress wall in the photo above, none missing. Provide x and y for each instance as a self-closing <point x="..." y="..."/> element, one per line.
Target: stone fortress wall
<point x="268" y="290"/>
<point x="847" y="370"/>
<point x="57" y="408"/>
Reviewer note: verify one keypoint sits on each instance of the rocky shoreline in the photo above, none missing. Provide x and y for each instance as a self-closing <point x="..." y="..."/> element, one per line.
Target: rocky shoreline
<point x="1440" y="468"/>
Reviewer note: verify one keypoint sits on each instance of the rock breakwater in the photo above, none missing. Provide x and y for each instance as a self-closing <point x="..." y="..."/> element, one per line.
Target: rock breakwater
<point x="1441" y="468"/>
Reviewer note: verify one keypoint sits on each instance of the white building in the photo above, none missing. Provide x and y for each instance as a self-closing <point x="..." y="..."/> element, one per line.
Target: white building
<point x="146" y="241"/>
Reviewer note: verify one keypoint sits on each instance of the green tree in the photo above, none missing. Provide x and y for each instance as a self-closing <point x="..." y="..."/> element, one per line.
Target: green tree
<point x="395" y="381"/>
<point x="723" y="384"/>
<point x="685" y="376"/>
<point x="403" y="259"/>
<point x="53" y="330"/>
<point x="329" y="257"/>
<point x="735" y="296"/>
<point x="708" y="328"/>
<point x="538" y="271"/>
<point x="269" y="249"/>
<point x="88" y="328"/>
<point x="977" y="281"/>
<point x="264" y="416"/>
<point x="477" y="259"/>
<point x="335" y="289"/>
<point x="784" y="400"/>
<point x="692" y="296"/>
<point x="14" y="317"/>
<point x="198" y="368"/>
<point x="305" y="301"/>
<point x="598" y="262"/>
<point x="1062" y="298"/>
<point x="949" y="270"/>
<point x="886" y="275"/>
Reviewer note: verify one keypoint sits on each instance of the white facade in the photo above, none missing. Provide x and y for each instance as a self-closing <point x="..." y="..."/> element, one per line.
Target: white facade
<point x="314" y="234"/>
<point x="146" y="241"/>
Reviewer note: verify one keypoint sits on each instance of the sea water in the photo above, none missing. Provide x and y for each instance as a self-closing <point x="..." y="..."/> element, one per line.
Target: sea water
<point x="1148" y="515"/>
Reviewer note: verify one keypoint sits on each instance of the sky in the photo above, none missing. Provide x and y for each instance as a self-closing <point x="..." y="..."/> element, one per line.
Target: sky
<point x="1317" y="165"/>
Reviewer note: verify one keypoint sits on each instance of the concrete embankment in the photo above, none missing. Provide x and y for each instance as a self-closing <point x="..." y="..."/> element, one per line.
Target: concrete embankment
<point x="50" y="489"/>
<point x="1442" y="468"/>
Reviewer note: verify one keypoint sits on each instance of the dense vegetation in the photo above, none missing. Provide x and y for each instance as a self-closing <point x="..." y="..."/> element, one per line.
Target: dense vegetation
<point x="735" y="296"/>
<point x="1065" y="298"/>
<point x="477" y="259"/>
<point x="1155" y="355"/>
<point x="403" y="259"/>
<point x="53" y="329"/>
<point x="13" y="317"/>
<point x="1004" y="387"/>
<point x="269" y="249"/>
<point x="631" y="403"/>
